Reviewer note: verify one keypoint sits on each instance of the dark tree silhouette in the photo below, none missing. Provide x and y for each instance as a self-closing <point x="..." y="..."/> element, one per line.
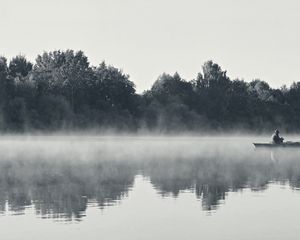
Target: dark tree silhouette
<point x="62" y="90"/>
<point x="19" y="66"/>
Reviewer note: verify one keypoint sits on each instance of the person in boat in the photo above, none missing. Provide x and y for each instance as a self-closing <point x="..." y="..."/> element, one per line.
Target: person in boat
<point x="276" y="139"/>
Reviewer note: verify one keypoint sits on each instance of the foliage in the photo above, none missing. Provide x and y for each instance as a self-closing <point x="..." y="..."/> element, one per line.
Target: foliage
<point x="62" y="90"/>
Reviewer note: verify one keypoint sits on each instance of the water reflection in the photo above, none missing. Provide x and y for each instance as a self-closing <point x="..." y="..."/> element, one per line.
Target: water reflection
<point x="212" y="178"/>
<point x="63" y="187"/>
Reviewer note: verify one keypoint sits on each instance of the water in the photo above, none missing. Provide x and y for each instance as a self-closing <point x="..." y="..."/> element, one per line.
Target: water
<point x="147" y="188"/>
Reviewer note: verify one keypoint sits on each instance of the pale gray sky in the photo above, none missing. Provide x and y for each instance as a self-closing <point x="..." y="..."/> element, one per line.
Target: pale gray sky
<point x="248" y="38"/>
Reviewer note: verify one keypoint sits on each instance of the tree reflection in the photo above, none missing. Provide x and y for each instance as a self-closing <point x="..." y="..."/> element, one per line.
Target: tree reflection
<point x="211" y="195"/>
<point x="64" y="188"/>
<point x="212" y="178"/>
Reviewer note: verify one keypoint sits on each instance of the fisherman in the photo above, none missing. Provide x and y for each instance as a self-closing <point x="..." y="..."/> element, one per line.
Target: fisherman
<point x="276" y="139"/>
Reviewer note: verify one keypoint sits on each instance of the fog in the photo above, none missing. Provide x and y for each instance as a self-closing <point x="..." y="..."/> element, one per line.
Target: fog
<point x="61" y="175"/>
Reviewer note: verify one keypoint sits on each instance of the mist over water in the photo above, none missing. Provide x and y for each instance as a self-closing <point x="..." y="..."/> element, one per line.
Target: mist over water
<point x="70" y="179"/>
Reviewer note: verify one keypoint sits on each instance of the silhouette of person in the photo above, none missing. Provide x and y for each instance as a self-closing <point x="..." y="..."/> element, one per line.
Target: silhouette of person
<point x="276" y="139"/>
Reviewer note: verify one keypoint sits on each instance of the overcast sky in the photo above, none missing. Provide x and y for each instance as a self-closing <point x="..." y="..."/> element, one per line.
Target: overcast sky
<point x="248" y="38"/>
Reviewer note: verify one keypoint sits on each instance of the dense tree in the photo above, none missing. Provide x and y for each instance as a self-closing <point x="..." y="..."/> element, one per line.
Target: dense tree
<point x="15" y="114"/>
<point x="172" y="88"/>
<point x="62" y="90"/>
<point x="3" y="78"/>
<point x="168" y="104"/>
<point x="19" y="66"/>
<point x="213" y="88"/>
<point x="238" y="103"/>
<point x="63" y="73"/>
<point x="113" y="89"/>
<point x="3" y="68"/>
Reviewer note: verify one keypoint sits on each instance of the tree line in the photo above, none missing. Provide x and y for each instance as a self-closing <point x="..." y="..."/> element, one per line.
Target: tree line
<point x="61" y="90"/>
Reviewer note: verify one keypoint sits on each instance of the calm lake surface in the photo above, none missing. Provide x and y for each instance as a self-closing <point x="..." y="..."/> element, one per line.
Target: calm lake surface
<point x="147" y="188"/>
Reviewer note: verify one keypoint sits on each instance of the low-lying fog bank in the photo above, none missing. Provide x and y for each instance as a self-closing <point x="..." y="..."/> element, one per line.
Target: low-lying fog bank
<point x="132" y="147"/>
<point x="93" y="147"/>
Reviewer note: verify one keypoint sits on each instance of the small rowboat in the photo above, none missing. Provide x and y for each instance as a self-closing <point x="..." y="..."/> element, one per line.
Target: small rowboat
<point x="280" y="145"/>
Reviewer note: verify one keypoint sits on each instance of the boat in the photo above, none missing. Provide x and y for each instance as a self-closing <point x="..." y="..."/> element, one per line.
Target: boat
<point x="280" y="145"/>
